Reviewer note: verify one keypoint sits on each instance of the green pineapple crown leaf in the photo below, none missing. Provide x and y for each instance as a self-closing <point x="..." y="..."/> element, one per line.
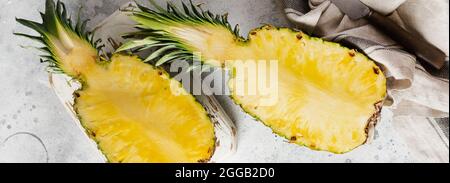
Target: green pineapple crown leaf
<point x="191" y="13"/>
<point x="169" y="48"/>
<point x="56" y="14"/>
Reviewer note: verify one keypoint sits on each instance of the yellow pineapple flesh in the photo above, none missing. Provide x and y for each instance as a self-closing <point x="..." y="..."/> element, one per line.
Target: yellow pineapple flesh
<point x="136" y="113"/>
<point x="327" y="93"/>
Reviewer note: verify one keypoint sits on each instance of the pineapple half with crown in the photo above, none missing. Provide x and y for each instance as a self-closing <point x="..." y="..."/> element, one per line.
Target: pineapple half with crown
<point x="134" y="111"/>
<point x="330" y="97"/>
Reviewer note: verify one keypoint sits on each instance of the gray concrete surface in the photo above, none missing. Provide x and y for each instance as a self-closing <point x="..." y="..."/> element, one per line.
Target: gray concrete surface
<point x="35" y="127"/>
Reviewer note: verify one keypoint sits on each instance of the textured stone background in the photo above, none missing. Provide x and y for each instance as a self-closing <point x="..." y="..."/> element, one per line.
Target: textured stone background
<point x="34" y="126"/>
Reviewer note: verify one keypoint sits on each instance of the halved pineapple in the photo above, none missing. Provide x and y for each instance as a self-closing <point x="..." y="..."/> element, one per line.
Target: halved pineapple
<point x="327" y="96"/>
<point x="134" y="111"/>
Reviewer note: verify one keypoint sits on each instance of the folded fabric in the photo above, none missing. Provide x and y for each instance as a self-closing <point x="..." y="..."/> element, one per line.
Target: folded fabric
<point x="414" y="92"/>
